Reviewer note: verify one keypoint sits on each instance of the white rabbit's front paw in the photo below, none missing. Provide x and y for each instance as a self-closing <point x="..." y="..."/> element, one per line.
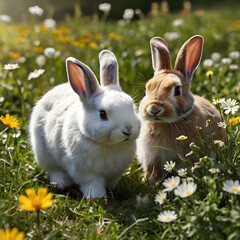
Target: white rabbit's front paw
<point x="61" y="178"/>
<point x="94" y="189"/>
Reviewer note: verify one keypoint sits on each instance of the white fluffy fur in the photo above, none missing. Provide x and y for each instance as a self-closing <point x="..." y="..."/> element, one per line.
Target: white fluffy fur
<point x="72" y="142"/>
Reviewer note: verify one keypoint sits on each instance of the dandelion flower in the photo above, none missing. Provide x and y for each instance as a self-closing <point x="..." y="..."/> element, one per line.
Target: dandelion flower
<point x="226" y="61"/>
<point x="167" y="216"/>
<point x="34" y="202"/>
<point x="231" y="186"/>
<point x="36" y="73"/>
<point x="49" y="23"/>
<point x="10" y="234"/>
<point x="10" y="121"/>
<point x="169" y="166"/>
<point x="160" y="197"/>
<point x="185" y="189"/>
<point x="50" y="52"/>
<point x="171" y="183"/>
<point x="233" y="67"/>
<point x="10" y="66"/>
<point x="214" y="170"/>
<point x="182" y="172"/>
<point x="215" y="56"/>
<point x="230" y="106"/>
<point x="234" y="54"/>
<point x="181" y="138"/>
<point x="209" y="74"/>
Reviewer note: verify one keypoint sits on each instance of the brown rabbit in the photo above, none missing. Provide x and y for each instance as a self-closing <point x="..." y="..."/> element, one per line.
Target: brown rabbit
<point x="169" y="109"/>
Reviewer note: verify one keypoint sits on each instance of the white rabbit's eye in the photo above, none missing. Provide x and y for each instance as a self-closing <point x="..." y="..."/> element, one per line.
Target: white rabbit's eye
<point x="103" y="115"/>
<point x="177" y="91"/>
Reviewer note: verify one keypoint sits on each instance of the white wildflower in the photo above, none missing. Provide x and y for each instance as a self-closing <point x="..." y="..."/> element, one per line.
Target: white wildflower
<point x="167" y="216"/>
<point x="49" y="23"/>
<point x="5" y="18"/>
<point x="214" y="170"/>
<point x="160" y="197"/>
<point x="104" y="7"/>
<point x="219" y="143"/>
<point x="177" y="22"/>
<point x="36" y="10"/>
<point x="226" y="61"/>
<point x="215" y="56"/>
<point x="171" y="36"/>
<point x="231" y="186"/>
<point x="222" y="125"/>
<point x="233" y="67"/>
<point x="128" y="14"/>
<point x="182" y="172"/>
<point x="36" y="73"/>
<point x="50" y="52"/>
<point x="181" y="138"/>
<point x="234" y="54"/>
<point x="171" y="183"/>
<point x="10" y="66"/>
<point x="169" y="166"/>
<point x="230" y="106"/>
<point x="40" y="60"/>
<point x="185" y="189"/>
<point x="208" y="63"/>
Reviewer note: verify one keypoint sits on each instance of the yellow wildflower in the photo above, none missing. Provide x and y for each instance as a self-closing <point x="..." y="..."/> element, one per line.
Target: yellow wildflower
<point x="39" y="50"/>
<point x="15" y="56"/>
<point x="92" y="45"/>
<point x="209" y="73"/>
<point x="35" y="202"/>
<point x="11" y="234"/>
<point x="10" y="121"/>
<point x="234" y="121"/>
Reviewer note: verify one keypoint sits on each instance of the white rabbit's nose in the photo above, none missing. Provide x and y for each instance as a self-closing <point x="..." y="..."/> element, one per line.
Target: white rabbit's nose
<point x="154" y="109"/>
<point x="127" y="131"/>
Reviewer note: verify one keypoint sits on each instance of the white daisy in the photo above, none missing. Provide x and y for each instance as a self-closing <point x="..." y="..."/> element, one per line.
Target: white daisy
<point x="218" y="101"/>
<point x="171" y="183"/>
<point x="128" y="14"/>
<point x="219" y="143"/>
<point x="226" y="61"/>
<point x="49" y="52"/>
<point x="215" y="56"/>
<point x="182" y="172"/>
<point x="208" y="63"/>
<point x="230" y="106"/>
<point x="169" y="166"/>
<point x="231" y="186"/>
<point x="167" y="216"/>
<point x="234" y="54"/>
<point x="214" y="170"/>
<point x="177" y="22"/>
<point x="181" y="138"/>
<point x="105" y="7"/>
<point x="35" y="10"/>
<point x="185" y="189"/>
<point x="10" y="66"/>
<point x="36" y="73"/>
<point x="171" y="36"/>
<point x="160" y="197"/>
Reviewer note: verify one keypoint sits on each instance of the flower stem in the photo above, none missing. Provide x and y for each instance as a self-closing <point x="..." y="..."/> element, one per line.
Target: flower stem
<point x="20" y="93"/>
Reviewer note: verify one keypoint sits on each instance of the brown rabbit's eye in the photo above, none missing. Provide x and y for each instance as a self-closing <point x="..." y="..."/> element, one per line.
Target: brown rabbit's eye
<point x="177" y="91"/>
<point x="103" y="115"/>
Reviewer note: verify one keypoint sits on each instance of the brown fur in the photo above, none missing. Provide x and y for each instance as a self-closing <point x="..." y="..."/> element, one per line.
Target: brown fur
<point x="166" y="116"/>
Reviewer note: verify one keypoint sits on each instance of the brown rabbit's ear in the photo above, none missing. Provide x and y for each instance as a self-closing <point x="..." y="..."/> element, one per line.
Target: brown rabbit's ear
<point x="160" y="54"/>
<point x="189" y="56"/>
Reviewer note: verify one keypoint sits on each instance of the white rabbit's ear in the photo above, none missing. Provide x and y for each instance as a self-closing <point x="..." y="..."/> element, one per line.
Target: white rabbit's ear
<point x="81" y="78"/>
<point x="160" y="54"/>
<point x="108" y="68"/>
<point x="189" y="56"/>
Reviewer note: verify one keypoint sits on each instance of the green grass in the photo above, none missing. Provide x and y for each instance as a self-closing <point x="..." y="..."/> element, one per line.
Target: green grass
<point x="210" y="213"/>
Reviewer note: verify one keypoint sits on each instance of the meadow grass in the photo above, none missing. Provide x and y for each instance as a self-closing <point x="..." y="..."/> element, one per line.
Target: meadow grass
<point x="131" y="211"/>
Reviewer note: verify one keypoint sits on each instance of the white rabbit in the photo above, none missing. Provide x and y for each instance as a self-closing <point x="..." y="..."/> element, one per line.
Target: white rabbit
<point x="86" y="136"/>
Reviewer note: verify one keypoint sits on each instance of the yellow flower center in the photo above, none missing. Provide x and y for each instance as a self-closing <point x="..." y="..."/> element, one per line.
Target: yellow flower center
<point x="230" y="105"/>
<point x="36" y="72"/>
<point x="173" y="184"/>
<point x="187" y="192"/>
<point x="234" y="189"/>
<point x="161" y="198"/>
<point x="168" y="218"/>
